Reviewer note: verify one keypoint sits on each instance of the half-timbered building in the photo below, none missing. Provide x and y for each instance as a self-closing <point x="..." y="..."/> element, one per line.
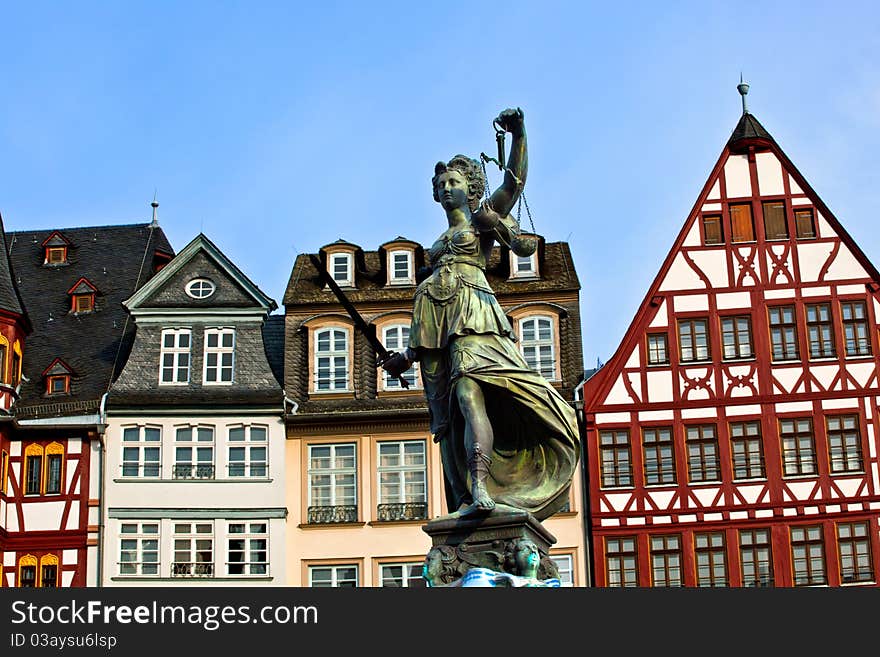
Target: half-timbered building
<point x="364" y="474"/>
<point x="733" y="436"/>
<point x="73" y="282"/>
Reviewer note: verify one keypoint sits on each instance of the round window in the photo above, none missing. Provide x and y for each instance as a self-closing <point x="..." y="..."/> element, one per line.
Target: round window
<point x="200" y="288"/>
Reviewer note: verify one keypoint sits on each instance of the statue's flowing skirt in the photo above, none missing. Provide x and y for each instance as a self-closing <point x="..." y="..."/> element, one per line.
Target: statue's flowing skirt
<point x="535" y="429"/>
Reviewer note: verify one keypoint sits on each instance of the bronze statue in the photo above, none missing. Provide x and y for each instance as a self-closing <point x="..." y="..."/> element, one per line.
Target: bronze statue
<point x="521" y="563"/>
<point x="506" y="435"/>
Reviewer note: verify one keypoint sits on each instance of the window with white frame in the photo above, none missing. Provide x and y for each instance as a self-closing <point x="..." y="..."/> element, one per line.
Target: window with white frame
<point x="248" y="451"/>
<point x="565" y="566"/>
<point x="331" y="359"/>
<point x="400" y="268"/>
<point x="396" y="338"/>
<point x="341" y="576"/>
<point x="139" y="548"/>
<point x="141" y="451"/>
<point x="401" y="575"/>
<point x="536" y="344"/>
<point x="193" y="549"/>
<point x="332" y="483"/>
<point x="194" y="453"/>
<point x="402" y="480"/>
<point x="523" y="266"/>
<point x="247" y="548"/>
<point x="175" y="357"/>
<point x="219" y="356"/>
<point x="341" y="269"/>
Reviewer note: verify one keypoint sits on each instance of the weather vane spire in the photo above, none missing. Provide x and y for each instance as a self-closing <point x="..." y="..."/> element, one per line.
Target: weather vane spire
<point x="743" y="89"/>
<point x="155" y="205"/>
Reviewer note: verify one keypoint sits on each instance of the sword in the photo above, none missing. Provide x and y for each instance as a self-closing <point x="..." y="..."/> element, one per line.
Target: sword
<point x="368" y="330"/>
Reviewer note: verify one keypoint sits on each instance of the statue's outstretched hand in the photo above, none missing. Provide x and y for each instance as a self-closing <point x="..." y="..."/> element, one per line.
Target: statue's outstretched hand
<point x="512" y="120"/>
<point x="397" y="364"/>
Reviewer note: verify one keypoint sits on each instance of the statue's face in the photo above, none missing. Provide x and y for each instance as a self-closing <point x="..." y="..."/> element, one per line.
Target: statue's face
<point x="452" y="190"/>
<point x="527" y="557"/>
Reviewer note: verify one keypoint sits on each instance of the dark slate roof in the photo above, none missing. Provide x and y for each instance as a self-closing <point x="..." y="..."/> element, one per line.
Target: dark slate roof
<point x="749" y="128"/>
<point x="556" y="267"/>
<point x="92" y="344"/>
<point x="273" y="340"/>
<point x="10" y="297"/>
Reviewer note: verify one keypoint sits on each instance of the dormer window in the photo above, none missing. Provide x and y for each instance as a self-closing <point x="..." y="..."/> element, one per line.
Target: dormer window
<point x="400" y="268"/>
<point x="341" y="268"/>
<point x="57" y="377"/>
<point x="55" y="250"/>
<point x="524" y="266"/>
<point x="58" y="385"/>
<point x="82" y="297"/>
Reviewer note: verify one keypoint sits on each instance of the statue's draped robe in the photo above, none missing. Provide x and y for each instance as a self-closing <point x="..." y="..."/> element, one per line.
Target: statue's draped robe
<point x="457" y="321"/>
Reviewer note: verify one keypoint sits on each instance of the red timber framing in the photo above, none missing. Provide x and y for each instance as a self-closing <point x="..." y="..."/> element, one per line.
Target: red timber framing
<point x="769" y="393"/>
<point x="43" y="531"/>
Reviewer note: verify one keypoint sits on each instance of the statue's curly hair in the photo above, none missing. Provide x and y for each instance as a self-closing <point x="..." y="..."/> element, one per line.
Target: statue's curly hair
<point x="472" y="172"/>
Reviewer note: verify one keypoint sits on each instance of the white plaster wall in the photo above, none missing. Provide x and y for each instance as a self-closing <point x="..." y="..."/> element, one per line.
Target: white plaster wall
<point x="794" y="407"/>
<point x="693" y="235"/>
<point x="780" y="278"/>
<point x="681" y="276"/>
<point x="861" y="372"/>
<point x="42" y="516"/>
<point x="769" y="174"/>
<point x="732" y="300"/>
<point x="787" y="293"/>
<point x="94" y="470"/>
<point x="659" y="387"/>
<point x="74" y="445"/>
<point x="824" y="374"/>
<point x="690" y="302"/>
<point x="811" y="259"/>
<point x="73" y="516"/>
<point x="612" y="418"/>
<point x="696" y="413"/>
<point x="736" y="176"/>
<point x="751" y="409"/>
<point x="714" y="265"/>
<point x="634" y="359"/>
<point x="793" y="186"/>
<point x="660" y="320"/>
<point x="845" y="266"/>
<point x="618" y="393"/>
<point x="823" y="228"/>
<point x="648" y="416"/>
<point x="715" y="192"/>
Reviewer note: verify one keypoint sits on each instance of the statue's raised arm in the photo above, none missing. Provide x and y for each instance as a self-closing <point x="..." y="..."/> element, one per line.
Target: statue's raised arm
<point x="505" y="197"/>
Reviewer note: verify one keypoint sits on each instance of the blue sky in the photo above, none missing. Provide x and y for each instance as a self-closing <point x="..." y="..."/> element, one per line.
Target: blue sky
<point x="278" y="127"/>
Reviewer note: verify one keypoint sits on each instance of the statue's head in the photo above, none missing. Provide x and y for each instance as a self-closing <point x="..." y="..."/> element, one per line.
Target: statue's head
<point x="439" y="566"/>
<point x="526" y="557"/>
<point x="470" y="170"/>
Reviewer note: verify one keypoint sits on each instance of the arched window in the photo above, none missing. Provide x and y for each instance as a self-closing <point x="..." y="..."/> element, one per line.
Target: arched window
<point x="5" y="375"/>
<point x="48" y="571"/>
<point x="331" y="359"/>
<point x="54" y="474"/>
<point x="537" y="344"/>
<point x="396" y="338"/>
<point x="27" y="571"/>
<point x="33" y="469"/>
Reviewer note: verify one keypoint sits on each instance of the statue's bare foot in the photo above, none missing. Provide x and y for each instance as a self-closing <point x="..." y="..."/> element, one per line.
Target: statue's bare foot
<point x="482" y="500"/>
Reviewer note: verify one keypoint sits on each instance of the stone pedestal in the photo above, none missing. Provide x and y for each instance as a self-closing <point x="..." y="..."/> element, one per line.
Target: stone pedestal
<point x="487" y="541"/>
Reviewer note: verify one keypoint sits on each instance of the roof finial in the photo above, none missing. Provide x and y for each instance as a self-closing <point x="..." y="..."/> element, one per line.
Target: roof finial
<point x="743" y="89"/>
<point x="155" y="205"/>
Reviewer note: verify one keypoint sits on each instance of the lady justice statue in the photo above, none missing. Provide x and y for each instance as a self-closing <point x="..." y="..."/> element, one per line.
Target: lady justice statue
<point x="507" y="437"/>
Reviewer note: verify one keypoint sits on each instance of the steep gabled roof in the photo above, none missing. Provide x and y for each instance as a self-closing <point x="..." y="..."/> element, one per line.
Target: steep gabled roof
<point x="117" y="259"/>
<point x="10" y="297"/>
<point x="748" y="134"/>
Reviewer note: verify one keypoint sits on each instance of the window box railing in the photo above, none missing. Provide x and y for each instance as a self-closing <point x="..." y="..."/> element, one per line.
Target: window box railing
<point x="321" y="515"/>
<point x="193" y="471"/>
<point x="402" y="511"/>
<point x="192" y="569"/>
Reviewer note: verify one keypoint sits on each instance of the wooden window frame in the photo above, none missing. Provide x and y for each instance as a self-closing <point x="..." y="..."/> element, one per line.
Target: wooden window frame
<point x="250" y="567"/>
<point x="194" y="467"/>
<point x="621" y="561"/>
<point x="851" y="323"/>
<point x="844" y="453"/>
<point x="853" y="550"/>
<point x="55" y="255"/>
<point x="734" y="238"/>
<point x="747" y="450"/>
<point x="334" y="471"/>
<point x="798" y="455"/>
<point x="778" y="339"/>
<point x="4" y="470"/>
<point x="399" y="471"/>
<point x="141" y="537"/>
<point x="410" y="277"/>
<point x="702" y="453"/>
<point x="334" y="567"/>
<point x="27" y="561"/>
<point x="777" y="237"/>
<point x="666" y="558"/>
<point x="691" y="323"/>
<point x="82" y="303"/>
<point x="54" y="379"/>
<point x="755" y="556"/>
<point x="49" y="561"/>
<point x="652" y="353"/>
<point x="400" y="343"/>
<point x="826" y="344"/>
<point x="170" y="357"/>
<point x="621" y="469"/>
<point x="332" y="258"/>
<point x="411" y="571"/>
<point x="705" y="221"/>
<point x="537" y="343"/>
<point x="333" y="354"/>
<point x="32" y="451"/>
<point x="141" y="445"/>
<point x="250" y="466"/>
<point x="219" y="368"/>
<point x="53" y="450"/>
<point x="736" y="330"/>
<point x="807" y="213"/>
<point x="4" y="352"/>
<point x="653" y="448"/>
<point x="710" y="552"/>
<point x="800" y="538"/>
<point x="189" y="540"/>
